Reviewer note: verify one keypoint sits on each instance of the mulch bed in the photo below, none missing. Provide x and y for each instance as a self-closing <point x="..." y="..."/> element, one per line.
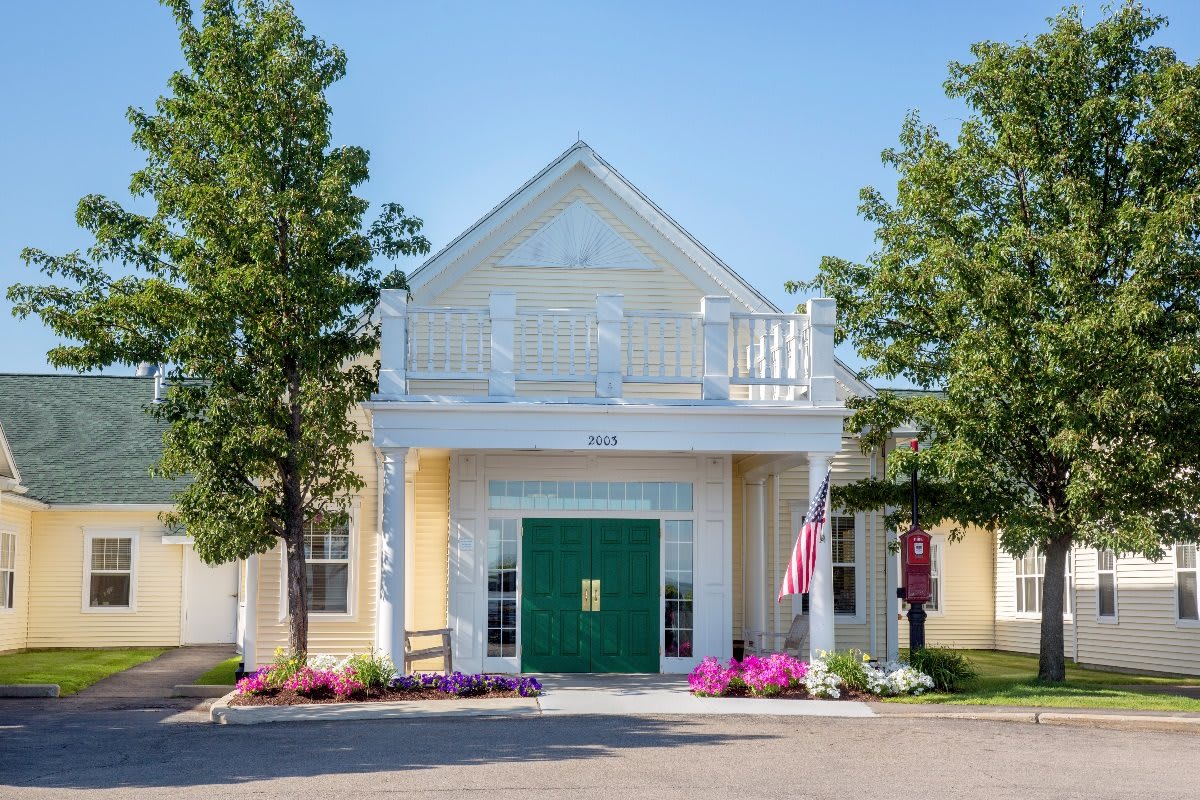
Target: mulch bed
<point x="286" y="697"/>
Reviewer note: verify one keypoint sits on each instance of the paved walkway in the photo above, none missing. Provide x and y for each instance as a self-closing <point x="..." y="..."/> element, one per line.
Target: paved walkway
<point x="155" y="679"/>
<point x="668" y="694"/>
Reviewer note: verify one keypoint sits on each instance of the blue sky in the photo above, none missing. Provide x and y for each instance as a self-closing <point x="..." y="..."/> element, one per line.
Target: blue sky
<point x="753" y="124"/>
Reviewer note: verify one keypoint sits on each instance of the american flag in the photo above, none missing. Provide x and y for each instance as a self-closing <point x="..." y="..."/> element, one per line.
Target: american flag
<point x="804" y="554"/>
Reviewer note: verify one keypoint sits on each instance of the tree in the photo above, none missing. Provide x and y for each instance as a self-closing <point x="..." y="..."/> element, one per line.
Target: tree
<point x="1042" y="272"/>
<point x="252" y="279"/>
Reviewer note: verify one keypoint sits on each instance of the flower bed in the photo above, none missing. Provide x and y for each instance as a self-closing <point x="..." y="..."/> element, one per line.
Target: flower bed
<point x="290" y="680"/>
<point x="845" y="675"/>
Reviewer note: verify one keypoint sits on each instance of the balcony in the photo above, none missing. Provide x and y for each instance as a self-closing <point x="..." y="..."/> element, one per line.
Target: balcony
<point x="510" y="352"/>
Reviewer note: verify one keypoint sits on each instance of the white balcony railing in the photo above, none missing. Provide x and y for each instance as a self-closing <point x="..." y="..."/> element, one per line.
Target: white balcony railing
<point x="779" y="357"/>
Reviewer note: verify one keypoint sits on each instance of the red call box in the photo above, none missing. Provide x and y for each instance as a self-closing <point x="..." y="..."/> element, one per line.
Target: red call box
<point x="916" y="565"/>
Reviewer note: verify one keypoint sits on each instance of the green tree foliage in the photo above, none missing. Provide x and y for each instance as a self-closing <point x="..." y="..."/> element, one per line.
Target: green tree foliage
<point x="252" y="279"/>
<point x="1043" y="272"/>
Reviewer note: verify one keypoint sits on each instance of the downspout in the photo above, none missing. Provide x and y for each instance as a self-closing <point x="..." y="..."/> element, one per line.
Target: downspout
<point x="1074" y="605"/>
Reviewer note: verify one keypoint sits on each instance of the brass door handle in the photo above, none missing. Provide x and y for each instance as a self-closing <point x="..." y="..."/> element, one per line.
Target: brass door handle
<point x="596" y="594"/>
<point x="587" y="595"/>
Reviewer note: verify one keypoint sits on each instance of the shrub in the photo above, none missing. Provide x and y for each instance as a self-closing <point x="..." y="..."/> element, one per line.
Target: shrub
<point x="771" y="675"/>
<point x="710" y="679"/>
<point x="949" y="669"/>
<point x="850" y="666"/>
<point x="322" y="683"/>
<point x="374" y="670"/>
<point x="283" y="667"/>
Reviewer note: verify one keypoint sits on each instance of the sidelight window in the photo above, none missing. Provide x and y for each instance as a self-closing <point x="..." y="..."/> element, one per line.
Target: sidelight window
<point x="679" y="600"/>
<point x="502" y="588"/>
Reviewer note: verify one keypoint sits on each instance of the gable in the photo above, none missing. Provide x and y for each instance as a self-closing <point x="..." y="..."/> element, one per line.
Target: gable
<point x="577" y="238"/>
<point x="641" y="223"/>
<point x="8" y="469"/>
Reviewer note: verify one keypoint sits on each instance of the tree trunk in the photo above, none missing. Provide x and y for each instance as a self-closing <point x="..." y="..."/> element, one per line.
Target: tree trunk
<point x="1051" y="662"/>
<point x="297" y="588"/>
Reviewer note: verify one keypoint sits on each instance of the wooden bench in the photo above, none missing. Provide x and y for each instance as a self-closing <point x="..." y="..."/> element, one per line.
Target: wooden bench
<point x="442" y="650"/>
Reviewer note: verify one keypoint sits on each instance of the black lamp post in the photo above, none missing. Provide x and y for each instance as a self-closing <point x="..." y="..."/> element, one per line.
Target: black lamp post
<point x="916" y="611"/>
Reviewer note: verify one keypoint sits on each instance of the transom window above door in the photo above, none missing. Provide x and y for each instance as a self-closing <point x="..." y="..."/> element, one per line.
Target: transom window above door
<point x="590" y="495"/>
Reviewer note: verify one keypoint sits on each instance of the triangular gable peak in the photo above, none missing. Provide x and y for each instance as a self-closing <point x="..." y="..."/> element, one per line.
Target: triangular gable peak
<point x="580" y="196"/>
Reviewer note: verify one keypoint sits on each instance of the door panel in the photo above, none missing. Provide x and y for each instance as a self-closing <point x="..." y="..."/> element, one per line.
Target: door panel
<point x="557" y="634"/>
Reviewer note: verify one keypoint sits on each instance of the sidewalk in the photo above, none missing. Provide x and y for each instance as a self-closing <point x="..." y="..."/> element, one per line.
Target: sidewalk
<point x="155" y="679"/>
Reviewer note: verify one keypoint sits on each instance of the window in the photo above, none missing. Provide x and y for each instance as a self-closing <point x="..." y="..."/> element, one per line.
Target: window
<point x="678" y="602"/>
<point x="590" y="495"/>
<point x="845" y="566"/>
<point x="1030" y="568"/>
<point x="1185" y="581"/>
<point x="502" y="588"/>
<point x="1106" y="584"/>
<point x="8" y="568"/>
<point x="327" y="567"/>
<point x="110" y="571"/>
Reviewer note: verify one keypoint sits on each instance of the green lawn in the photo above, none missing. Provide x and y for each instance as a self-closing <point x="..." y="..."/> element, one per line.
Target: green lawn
<point x="72" y="670"/>
<point x="1010" y="679"/>
<point x="221" y="674"/>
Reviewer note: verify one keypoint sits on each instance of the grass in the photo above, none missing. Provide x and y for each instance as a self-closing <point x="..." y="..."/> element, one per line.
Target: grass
<point x="1010" y="679"/>
<point x="222" y="674"/>
<point x="72" y="670"/>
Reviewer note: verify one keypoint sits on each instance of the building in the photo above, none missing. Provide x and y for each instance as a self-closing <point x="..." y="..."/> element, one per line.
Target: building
<point x="591" y="448"/>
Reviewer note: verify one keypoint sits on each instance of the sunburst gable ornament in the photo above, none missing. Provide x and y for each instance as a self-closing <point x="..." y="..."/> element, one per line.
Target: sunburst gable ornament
<point x="577" y="239"/>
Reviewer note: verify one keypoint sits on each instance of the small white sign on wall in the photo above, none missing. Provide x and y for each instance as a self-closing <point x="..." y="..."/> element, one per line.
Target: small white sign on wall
<point x="466" y="545"/>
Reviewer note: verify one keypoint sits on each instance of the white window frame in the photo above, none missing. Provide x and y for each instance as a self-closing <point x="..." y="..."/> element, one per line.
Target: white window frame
<point x="1040" y="576"/>
<point x="1110" y="619"/>
<point x="5" y="606"/>
<point x="1181" y="621"/>
<point x="860" y="586"/>
<point x="937" y="543"/>
<point x="351" y="612"/>
<point x="91" y="534"/>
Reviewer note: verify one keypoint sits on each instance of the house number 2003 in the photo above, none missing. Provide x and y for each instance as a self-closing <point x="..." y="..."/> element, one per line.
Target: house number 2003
<point x="602" y="441"/>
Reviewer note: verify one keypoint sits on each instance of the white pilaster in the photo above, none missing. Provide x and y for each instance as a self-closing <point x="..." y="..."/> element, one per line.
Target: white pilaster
<point x="389" y="619"/>
<point x="715" y="310"/>
<point x="410" y="526"/>
<point x="754" y="494"/>
<point x="820" y="593"/>
<point x="822" y="382"/>
<point x="250" y="621"/>
<point x="393" y="342"/>
<point x="502" y="309"/>
<point x="610" y="314"/>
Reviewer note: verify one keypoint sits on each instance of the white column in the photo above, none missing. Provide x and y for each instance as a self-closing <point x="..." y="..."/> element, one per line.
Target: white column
<point x="502" y="308"/>
<point x="820" y="591"/>
<point x="822" y="383"/>
<point x="715" y="310"/>
<point x="389" y="618"/>
<point x="250" y="624"/>
<point x="393" y="342"/>
<point x="410" y="525"/>
<point x="754" y="495"/>
<point x="610" y="316"/>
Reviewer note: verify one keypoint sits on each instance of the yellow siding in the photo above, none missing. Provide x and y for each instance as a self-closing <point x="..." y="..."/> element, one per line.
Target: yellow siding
<point x="1145" y="635"/>
<point x="967" y="618"/>
<point x="56" y="599"/>
<point x="14" y="622"/>
<point x="339" y="634"/>
<point x="430" y="548"/>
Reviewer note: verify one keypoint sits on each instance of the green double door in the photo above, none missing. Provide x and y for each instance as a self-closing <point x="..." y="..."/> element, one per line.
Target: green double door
<point x="589" y="598"/>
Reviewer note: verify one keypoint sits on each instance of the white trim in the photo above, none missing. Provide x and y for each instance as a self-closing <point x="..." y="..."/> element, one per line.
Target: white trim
<point x="91" y="533"/>
<point x="21" y="501"/>
<point x="937" y="543"/>
<point x="353" y="526"/>
<point x="109" y="506"/>
<point x="1114" y="618"/>
<point x="9" y="530"/>
<point x="1181" y="622"/>
<point x="859" y="617"/>
<point x="6" y="452"/>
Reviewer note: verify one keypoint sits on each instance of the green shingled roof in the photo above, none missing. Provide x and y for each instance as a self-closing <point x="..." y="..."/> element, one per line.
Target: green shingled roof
<point x="84" y="438"/>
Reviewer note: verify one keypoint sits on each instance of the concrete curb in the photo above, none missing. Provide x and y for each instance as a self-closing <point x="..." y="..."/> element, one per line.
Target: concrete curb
<point x="199" y="690"/>
<point x="1119" y="722"/>
<point x="29" y="690"/>
<point x="224" y="714"/>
